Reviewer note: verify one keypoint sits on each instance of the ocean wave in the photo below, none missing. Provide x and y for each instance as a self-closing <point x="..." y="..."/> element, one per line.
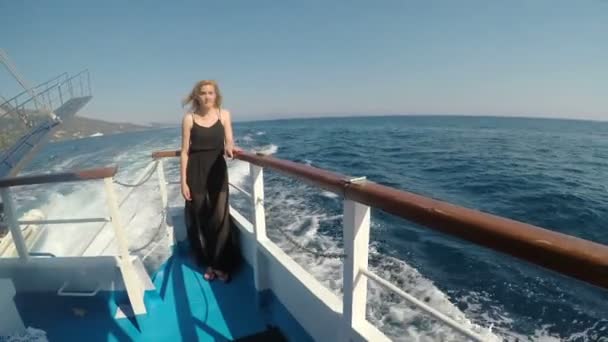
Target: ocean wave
<point x="267" y="149"/>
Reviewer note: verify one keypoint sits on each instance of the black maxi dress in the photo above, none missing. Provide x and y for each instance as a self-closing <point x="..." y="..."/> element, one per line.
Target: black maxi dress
<point x="212" y="234"/>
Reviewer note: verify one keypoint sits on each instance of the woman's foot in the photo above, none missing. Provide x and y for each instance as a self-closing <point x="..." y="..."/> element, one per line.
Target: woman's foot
<point x="223" y="276"/>
<point x="209" y="274"/>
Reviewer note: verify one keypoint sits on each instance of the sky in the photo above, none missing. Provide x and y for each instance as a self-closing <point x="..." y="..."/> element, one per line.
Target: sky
<point x="282" y="59"/>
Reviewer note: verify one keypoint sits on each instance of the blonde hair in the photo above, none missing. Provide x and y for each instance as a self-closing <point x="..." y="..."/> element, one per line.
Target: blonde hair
<point x="193" y="98"/>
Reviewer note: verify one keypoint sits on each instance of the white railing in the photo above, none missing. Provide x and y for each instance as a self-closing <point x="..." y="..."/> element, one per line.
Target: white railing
<point x="419" y="304"/>
<point x="50" y="95"/>
<point x="355" y="272"/>
<point x="133" y="284"/>
<point x="356" y="230"/>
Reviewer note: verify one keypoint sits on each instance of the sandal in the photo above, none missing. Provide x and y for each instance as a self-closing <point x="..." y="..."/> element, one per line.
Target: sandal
<point x="209" y="275"/>
<point x="224" y="277"/>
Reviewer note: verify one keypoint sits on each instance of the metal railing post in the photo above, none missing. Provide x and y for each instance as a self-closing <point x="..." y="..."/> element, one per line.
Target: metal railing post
<point x="162" y="183"/>
<point x="133" y="284"/>
<point x="11" y="215"/>
<point x="259" y="225"/>
<point x="121" y="238"/>
<point x="356" y="244"/>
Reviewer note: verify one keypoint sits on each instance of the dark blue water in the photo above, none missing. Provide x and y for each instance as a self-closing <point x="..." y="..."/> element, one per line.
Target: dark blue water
<point x="550" y="173"/>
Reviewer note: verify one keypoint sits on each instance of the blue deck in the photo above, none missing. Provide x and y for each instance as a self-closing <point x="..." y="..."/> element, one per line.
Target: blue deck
<point x="184" y="307"/>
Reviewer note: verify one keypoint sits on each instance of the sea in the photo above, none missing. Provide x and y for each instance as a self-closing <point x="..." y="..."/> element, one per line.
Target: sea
<point x="547" y="172"/>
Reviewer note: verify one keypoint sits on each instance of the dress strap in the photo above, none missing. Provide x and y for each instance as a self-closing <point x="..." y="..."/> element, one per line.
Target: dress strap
<point x="219" y="114"/>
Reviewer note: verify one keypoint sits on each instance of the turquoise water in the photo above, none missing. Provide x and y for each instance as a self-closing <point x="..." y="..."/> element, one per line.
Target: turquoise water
<point x="550" y="173"/>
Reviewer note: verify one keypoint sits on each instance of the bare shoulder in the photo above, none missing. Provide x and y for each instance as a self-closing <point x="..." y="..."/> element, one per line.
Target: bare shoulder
<point x="225" y="115"/>
<point x="187" y="120"/>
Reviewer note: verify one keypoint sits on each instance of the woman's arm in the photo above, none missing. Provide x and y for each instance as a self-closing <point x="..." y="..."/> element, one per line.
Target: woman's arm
<point x="229" y="146"/>
<point x="186" y="127"/>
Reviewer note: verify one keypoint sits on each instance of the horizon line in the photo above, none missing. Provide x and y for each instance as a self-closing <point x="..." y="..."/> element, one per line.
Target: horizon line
<point x="283" y="117"/>
<point x="271" y="117"/>
<point x="363" y="115"/>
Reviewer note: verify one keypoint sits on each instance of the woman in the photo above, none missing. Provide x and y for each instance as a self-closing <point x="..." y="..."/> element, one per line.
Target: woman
<point x="206" y="137"/>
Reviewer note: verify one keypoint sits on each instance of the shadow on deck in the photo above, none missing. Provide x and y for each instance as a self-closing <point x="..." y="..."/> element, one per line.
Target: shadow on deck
<point x="184" y="307"/>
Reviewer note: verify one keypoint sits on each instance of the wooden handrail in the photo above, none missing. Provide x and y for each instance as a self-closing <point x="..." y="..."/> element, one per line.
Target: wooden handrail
<point x="568" y="255"/>
<point x="73" y="176"/>
<point x="165" y="154"/>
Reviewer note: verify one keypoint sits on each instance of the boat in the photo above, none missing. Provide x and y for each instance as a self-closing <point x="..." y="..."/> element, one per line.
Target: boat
<point x="101" y="297"/>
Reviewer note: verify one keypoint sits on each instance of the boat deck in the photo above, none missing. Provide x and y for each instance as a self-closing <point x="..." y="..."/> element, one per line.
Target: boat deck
<point x="184" y="307"/>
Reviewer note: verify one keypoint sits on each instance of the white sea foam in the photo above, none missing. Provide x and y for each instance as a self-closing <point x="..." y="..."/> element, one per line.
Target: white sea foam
<point x="389" y="313"/>
<point x="267" y="149"/>
<point x="328" y="194"/>
<point x="247" y="138"/>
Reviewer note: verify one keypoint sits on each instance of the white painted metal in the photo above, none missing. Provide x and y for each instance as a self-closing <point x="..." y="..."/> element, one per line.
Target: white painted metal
<point x="11" y="215"/>
<point x="121" y="238"/>
<point x="162" y="183"/>
<point x="49" y="274"/>
<point x="132" y="283"/>
<point x="240" y="189"/>
<point x="315" y="307"/>
<point x="259" y="225"/>
<point x="63" y="293"/>
<point x="356" y="244"/>
<point x="92" y="246"/>
<point x="436" y="314"/>
<point x="81" y="220"/>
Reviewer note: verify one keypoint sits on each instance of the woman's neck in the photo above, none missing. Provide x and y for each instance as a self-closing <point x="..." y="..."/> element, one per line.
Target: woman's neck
<point x="205" y="111"/>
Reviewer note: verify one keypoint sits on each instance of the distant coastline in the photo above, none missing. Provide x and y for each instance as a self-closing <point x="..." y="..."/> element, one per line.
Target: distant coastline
<point x="81" y="127"/>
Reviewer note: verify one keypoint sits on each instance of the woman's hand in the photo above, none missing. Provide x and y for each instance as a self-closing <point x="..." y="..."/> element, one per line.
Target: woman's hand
<point x="230" y="149"/>
<point x="186" y="192"/>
